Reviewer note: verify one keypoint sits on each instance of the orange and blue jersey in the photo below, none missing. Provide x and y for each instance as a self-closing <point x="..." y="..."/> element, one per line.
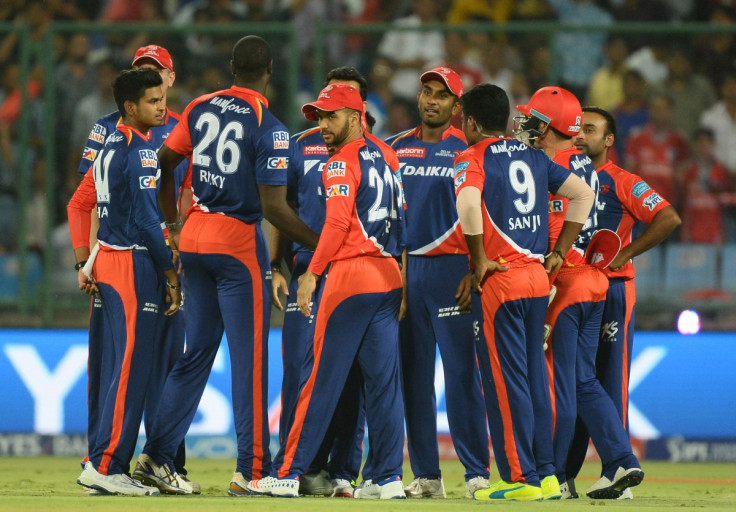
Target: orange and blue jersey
<point x="515" y="181"/>
<point x="127" y="203"/>
<point x="433" y="226"/>
<point x="360" y="220"/>
<point x="580" y="165"/>
<point x="625" y="199"/>
<point x="235" y="144"/>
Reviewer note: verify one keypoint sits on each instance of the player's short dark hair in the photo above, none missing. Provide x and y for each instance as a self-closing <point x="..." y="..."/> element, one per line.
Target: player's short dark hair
<point x="131" y="85"/>
<point x="346" y="73"/>
<point x="251" y="57"/>
<point x="370" y="120"/>
<point x="610" y="121"/>
<point x="488" y="104"/>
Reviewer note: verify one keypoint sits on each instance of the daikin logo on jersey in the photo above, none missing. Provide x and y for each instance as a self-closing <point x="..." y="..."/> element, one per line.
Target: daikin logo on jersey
<point x="432" y="170"/>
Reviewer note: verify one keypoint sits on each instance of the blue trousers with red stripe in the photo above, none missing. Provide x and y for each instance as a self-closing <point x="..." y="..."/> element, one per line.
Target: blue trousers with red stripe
<point x="613" y="364"/>
<point x="225" y="263"/>
<point x="432" y="320"/>
<point x="511" y="356"/>
<point x="341" y="451"/>
<point x="122" y="343"/>
<point x="357" y="321"/>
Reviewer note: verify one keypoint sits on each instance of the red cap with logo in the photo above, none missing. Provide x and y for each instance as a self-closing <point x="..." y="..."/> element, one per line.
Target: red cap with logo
<point x="332" y="98"/>
<point x="448" y="77"/>
<point x="158" y="54"/>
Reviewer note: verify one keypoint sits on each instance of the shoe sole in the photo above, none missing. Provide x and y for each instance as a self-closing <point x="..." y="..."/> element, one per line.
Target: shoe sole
<point x="616" y="489"/>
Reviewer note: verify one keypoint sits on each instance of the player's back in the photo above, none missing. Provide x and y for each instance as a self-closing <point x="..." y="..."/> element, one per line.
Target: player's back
<point x="582" y="166"/>
<point x="376" y="225"/>
<point x="514" y="180"/>
<point x="235" y="144"/>
<point x="125" y="168"/>
<point x="427" y="174"/>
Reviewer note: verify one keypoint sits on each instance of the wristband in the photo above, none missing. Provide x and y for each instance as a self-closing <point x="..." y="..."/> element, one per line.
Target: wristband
<point x="276" y="267"/>
<point x="80" y="265"/>
<point x="557" y="252"/>
<point x="177" y="224"/>
<point x="177" y="288"/>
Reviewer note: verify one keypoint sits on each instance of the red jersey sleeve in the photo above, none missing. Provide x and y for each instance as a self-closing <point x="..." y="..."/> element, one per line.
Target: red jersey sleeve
<point x="469" y="170"/>
<point x="79" y="209"/>
<point x="179" y="139"/>
<point x="341" y="189"/>
<point x="639" y="198"/>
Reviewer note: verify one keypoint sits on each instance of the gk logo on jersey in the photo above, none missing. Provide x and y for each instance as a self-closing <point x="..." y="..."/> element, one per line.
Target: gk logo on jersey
<point x="338" y="190"/>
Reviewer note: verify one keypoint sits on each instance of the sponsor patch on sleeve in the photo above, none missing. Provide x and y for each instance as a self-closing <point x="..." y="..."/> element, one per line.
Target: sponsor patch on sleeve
<point x="652" y="201"/>
<point x="89" y="154"/>
<point x="638" y="190"/>
<point x="98" y="133"/>
<point x="336" y="169"/>
<point x="338" y="190"/>
<point x="278" y="162"/>
<point x="148" y="158"/>
<point x="556" y="206"/>
<point x="147" y="181"/>
<point x="280" y="140"/>
<point x="459" y="173"/>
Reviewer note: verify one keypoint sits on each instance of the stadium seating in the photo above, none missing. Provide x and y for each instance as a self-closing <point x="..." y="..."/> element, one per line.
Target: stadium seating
<point x="648" y="272"/>
<point x="10" y="275"/>
<point x="728" y="268"/>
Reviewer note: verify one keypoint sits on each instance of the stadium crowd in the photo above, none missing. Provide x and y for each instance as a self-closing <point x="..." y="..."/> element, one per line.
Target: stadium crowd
<point x="674" y="98"/>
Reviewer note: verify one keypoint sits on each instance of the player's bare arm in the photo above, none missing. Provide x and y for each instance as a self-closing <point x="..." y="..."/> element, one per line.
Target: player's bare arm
<point x="307" y="285"/>
<point x="168" y="160"/>
<point x="278" y="212"/>
<point x="663" y="224"/>
<point x="277" y="245"/>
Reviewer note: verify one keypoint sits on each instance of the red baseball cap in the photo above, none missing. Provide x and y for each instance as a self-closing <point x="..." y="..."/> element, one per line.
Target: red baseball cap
<point x="448" y="77"/>
<point x="158" y="54"/>
<point x="332" y="98"/>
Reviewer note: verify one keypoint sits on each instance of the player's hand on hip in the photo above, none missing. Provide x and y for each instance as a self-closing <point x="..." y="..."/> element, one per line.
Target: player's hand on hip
<point x="307" y="285"/>
<point x="278" y="284"/>
<point x="462" y="296"/>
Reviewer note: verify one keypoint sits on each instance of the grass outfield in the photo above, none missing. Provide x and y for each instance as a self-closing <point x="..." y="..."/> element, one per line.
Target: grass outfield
<point x="48" y="483"/>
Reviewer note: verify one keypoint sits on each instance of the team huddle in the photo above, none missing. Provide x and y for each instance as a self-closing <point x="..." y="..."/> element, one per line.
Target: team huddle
<point x="512" y="255"/>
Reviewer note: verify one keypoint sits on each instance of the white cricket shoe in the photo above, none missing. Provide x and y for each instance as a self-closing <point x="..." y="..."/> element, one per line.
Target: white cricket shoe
<point x="426" y="488"/>
<point x="118" y="483"/>
<point x="287" y="487"/>
<point x="626" y="495"/>
<point x="389" y="489"/>
<point x="239" y="486"/>
<point x="148" y="472"/>
<point x="605" y="489"/>
<point x="567" y="489"/>
<point x="474" y="484"/>
<point x="315" y="484"/>
<point x="341" y="488"/>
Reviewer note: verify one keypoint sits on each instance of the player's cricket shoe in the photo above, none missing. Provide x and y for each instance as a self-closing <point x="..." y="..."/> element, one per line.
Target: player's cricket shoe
<point x="118" y="483"/>
<point x="287" y="487"/>
<point x="239" y="486"/>
<point x="426" y="488"/>
<point x="611" y="489"/>
<point x="626" y="495"/>
<point x="160" y="476"/>
<point x="509" y="491"/>
<point x="315" y="484"/>
<point x="567" y="488"/>
<point x="551" y="488"/>
<point x="475" y="484"/>
<point x="389" y="489"/>
<point x="341" y="488"/>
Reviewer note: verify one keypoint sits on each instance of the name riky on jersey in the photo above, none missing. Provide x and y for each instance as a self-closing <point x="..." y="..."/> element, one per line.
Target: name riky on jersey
<point x="211" y="178"/>
<point x="433" y="170"/>
<point x="525" y="222"/>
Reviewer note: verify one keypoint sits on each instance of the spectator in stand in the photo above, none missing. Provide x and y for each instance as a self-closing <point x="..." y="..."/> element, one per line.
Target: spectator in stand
<point x="656" y="151"/>
<point x="411" y="51"/>
<point x="721" y="119"/>
<point x="631" y="114"/>
<point x="716" y="53"/>
<point x="606" y="88"/>
<point x="651" y="61"/>
<point x="639" y="10"/>
<point x="464" y="11"/>
<point x="89" y="107"/>
<point x="579" y="54"/>
<point x="691" y="93"/>
<point x="704" y="181"/>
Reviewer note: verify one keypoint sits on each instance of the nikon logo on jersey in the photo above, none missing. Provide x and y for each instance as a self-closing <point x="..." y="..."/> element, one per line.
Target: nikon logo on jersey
<point x="338" y="190"/>
<point x="335" y="169"/>
<point x="411" y="152"/>
<point x="281" y="162"/>
<point x="280" y="140"/>
<point x="148" y="158"/>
